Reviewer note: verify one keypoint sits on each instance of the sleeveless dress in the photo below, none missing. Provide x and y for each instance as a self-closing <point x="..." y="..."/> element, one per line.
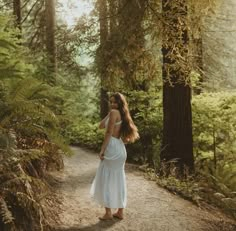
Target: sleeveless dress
<point x="109" y="185"/>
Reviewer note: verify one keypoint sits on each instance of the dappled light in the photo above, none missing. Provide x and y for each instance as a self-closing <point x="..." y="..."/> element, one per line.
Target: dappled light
<point x="131" y="103"/>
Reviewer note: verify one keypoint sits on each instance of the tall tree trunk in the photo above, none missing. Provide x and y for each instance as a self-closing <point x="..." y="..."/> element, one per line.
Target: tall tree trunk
<point x="102" y="8"/>
<point x="131" y="26"/>
<point x="177" y="123"/>
<point x="113" y="7"/>
<point x="50" y="38"/>
<point x="17" y="12"/>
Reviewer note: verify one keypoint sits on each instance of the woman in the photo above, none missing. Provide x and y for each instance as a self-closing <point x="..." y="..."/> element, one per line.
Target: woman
<point x="109" y="185"/>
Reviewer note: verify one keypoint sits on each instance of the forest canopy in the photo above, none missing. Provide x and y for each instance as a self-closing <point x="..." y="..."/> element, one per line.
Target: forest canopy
<point x="61" y="60"/>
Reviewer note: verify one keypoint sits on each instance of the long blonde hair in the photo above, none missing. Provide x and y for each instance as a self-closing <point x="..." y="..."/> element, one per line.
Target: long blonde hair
<point x="129" y="131"/>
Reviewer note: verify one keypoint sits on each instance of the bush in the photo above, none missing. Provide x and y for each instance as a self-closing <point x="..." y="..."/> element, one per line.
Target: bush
<point x="214" y="132"/>
<point x="85" y="133"/>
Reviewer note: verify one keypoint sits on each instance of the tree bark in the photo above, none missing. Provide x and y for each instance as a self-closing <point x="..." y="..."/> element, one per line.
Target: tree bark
<point x="177" y="141"/>
<point x="131" y="26"/>
<point x="112" y="15"/>
<point x="102" y="8"/>
<point x="17" y="12"/>
<point x="50" y="38"/>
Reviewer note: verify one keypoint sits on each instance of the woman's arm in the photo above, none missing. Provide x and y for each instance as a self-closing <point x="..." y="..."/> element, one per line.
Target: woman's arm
<point x="109" y="131"/>
<point x="102" y="123"/>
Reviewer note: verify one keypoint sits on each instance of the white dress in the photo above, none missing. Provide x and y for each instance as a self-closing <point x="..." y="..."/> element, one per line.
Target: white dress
<point x="109" y="185"/>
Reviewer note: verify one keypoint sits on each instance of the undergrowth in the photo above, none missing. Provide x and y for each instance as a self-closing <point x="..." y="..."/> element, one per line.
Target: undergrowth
<point x="215" y="189"/>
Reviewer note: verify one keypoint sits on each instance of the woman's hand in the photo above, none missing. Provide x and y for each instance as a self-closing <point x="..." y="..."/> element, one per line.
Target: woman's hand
<point x="101" y="156"/>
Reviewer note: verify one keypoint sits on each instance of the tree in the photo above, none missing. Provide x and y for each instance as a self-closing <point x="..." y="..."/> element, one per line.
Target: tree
<point x="113" y="8"/>
<point x="50" y="37"/>
<point x="177" y="141"/>
<point x="17" y="12"/>
<point x="102" y="9"/>
<point x="131" y="20"/>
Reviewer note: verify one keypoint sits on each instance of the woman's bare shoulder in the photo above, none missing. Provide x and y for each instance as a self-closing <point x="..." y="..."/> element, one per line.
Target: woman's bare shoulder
<point x="114" y="112"/>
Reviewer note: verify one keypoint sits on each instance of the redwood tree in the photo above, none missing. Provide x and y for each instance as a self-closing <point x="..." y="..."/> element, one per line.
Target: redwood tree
<point x="103" y="22"/>
<point x="177" y="141"/>
<point x="50" y="38"/>
<point x="17" y="12"/>
<point x="131" y="18"/>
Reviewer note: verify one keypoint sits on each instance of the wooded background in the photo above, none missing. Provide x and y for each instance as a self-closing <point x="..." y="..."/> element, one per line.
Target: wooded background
<point x="173" y="60"/>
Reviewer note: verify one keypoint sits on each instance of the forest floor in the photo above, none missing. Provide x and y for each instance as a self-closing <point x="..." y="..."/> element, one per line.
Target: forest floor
<point x="149" y="208"/>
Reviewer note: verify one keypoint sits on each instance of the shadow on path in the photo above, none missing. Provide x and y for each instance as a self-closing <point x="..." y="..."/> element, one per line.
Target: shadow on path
<point x="100" y="225"/>
<point x="79" y="180"/>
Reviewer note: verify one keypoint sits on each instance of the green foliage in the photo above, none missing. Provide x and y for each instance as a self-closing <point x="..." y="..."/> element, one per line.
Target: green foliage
<point x="19" y="191"/>
<point x="214" y="127"/>
<point x="86" y="133"/>
<point x="221" y="180"/>
<point x="5" y="212"/>
<point x="27" y="105"/>
<point x="11" y="52"/>
<point x="129" y="65"/>
<point x="25" y="108"/>
<point x="80" y="111"/>
<point x="26" y="99"/>
<point x="215" y="189"/>
<point x="146" y="110"/>
<point x="214" y="147"/>
<point x="81" y="98"/>
<point x="29" y="134"/>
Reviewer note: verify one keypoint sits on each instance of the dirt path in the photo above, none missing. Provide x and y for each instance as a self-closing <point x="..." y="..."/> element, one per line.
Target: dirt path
<point x="150" y="208"/>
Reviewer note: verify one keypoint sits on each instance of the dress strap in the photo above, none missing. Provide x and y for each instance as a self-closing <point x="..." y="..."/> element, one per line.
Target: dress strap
<point x="118" y="123"/>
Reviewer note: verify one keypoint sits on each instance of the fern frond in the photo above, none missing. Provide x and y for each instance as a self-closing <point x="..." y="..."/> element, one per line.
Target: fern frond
<point x="7" y="140"/>
<point x="26" y="201"/>
<point x="59" y="141"/>
<point x="6" y="44"/>
<point x="5" y="213"/>
<point x="28" y="88"/>
<point x="26" y="101"/>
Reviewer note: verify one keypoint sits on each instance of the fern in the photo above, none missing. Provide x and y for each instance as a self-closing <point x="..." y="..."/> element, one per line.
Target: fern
<point x="26" y="100"/>
<point x="25" y="115"/>
<point x="11" y="62"/>
<point x="19" y="191"/>
<point x="224" y="179"/>
<point x="5" y="212"/>
<point x="27" y="112"/>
